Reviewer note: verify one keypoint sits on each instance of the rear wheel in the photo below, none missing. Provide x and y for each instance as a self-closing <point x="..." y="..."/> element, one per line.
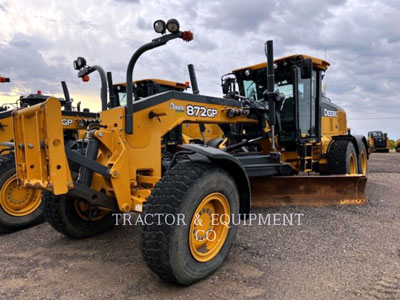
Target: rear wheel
<point x="19" y="207"/>
<point x="342" y="158"/>
<point x="74" y="217"/>
<point x="206" y="198"/>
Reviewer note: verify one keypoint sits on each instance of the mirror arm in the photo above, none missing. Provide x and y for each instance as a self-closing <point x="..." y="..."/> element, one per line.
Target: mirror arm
<point x="103" y="90"/>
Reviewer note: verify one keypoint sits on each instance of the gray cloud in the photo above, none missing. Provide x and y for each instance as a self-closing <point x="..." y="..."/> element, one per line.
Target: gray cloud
<point x="128" y="1"/>
<point x="239" y="16"/>
<point x="3" y="7"/>
<point x="361" y="39"/>
<point x="22" y="59"/>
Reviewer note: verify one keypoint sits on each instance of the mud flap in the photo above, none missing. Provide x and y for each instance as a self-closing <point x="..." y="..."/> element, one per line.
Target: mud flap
<point x="279" y="191"/>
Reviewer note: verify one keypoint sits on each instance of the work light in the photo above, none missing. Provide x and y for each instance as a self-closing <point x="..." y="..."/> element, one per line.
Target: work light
<point x="173" y="26"/>
<point x="79" y="63"/>
<point x="159" y="26"/>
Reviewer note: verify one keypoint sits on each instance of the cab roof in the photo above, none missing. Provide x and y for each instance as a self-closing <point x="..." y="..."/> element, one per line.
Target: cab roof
<point x="174" y="84"/>
<point x="317" y="62"/>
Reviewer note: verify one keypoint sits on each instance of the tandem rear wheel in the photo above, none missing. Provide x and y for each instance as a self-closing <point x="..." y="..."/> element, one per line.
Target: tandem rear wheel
<point x="207" y="197"/>
<point x="344" y="159"/>
<point x="74" y="217"/>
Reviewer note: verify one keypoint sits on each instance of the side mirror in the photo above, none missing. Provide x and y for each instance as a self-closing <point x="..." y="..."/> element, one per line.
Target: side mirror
<point x="225" y="86"/>
<point x="385" y="135"/>
<point x="306" y="68"/>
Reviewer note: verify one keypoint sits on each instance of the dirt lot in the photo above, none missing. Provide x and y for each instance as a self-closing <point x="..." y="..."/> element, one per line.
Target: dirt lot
<point x="337" y="253"/>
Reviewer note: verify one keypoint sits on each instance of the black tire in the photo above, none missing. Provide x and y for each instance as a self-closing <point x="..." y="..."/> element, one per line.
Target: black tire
<point x="339" y="157"/>
<point x="166" y="249"/>
<point x="8" y="222"/>
<point x="62" y="215"/>
<point x="363" y="156"/>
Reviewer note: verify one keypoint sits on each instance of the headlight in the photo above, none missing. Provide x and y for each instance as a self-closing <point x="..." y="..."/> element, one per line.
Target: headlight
<point x="159" y="26"/>
<point x="79" y="63"/>
<point x="173" y="26"/>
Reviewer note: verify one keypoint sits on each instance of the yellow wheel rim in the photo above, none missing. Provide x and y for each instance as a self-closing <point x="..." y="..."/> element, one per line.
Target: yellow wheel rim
<point x="353" y="165"/>
<point x="363" y="157"/>
<point x="82" y="209"/>
<point x="17" y="200"/>
<point x="209" y="227"/>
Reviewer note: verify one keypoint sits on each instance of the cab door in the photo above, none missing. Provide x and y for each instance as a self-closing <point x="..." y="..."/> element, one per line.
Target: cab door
<point x="307" y="105"/>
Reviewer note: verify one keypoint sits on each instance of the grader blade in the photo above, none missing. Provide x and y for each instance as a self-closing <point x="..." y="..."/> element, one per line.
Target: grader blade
<point x="279" y="191"/>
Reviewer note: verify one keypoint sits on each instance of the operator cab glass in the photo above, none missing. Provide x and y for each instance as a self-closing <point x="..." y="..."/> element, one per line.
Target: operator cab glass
<point x="306" y="91"/>
<point x="142" y="89"/>
<point x="375" y="134"/>
<point x="252" y="90"/>
<point x="299" y="111"/>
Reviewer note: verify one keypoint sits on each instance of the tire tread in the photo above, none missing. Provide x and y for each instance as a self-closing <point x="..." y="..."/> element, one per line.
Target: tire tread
<point x="166" y="197"/>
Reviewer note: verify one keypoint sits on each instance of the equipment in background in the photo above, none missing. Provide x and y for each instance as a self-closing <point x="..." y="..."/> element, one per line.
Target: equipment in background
<point x="378" y="141"/>
<point x="22" y="207"/>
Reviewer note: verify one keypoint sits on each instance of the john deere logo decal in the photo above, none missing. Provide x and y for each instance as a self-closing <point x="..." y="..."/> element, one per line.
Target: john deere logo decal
<point x="177" y="108"/>
<point x="330" y="113"/>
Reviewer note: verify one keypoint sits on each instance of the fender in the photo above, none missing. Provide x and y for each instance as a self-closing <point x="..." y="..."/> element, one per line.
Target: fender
<point x="233" y="166"/>
<point x="358" y="141"/>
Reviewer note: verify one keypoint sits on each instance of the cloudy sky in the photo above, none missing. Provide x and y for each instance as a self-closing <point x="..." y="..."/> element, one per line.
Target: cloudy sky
<point x="361" y="39"/>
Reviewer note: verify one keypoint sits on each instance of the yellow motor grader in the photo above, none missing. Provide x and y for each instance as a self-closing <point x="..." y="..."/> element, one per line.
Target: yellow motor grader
<point x="189" y="198"/>
<point x="22" y="207"/>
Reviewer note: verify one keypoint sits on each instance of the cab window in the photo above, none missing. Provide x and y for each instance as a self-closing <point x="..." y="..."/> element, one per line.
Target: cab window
<point x="250" y="90"/>
<point x="307" y="96"/>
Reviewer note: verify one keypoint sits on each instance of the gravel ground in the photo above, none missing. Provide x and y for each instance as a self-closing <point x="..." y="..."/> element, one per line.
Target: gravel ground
<point x="336" y="253"/>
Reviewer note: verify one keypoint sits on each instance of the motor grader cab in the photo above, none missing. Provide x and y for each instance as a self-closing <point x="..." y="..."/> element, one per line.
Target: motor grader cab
<point x="312" y="132"/>
<point x="22" y="207"/>
<point x="147" y="87"/>
<point x="378" y="141"/>
<point x="188" y="199"/>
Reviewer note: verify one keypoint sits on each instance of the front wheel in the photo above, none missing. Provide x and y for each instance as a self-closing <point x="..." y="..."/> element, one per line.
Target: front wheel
<point x="206" y="198"/>
<point x="20" y="207"/>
